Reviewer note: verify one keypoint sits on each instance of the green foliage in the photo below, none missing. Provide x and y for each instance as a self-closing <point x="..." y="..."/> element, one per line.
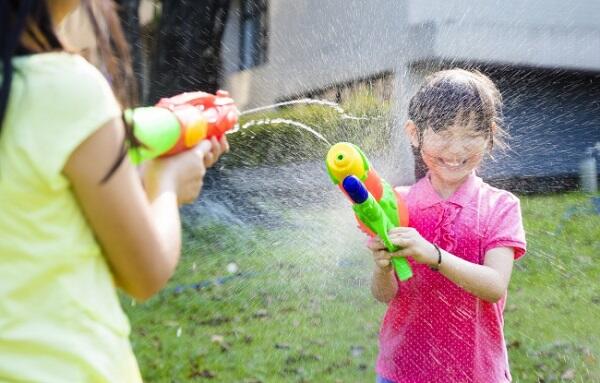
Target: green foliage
<point x="279" y="143"/>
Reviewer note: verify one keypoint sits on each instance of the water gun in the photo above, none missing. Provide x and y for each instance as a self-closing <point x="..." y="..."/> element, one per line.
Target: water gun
<point x="178" y="123"/>
<point x="377" y="207"/>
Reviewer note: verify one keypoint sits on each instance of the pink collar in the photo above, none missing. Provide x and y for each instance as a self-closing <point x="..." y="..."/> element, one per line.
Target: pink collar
<point x="427" y="196"/>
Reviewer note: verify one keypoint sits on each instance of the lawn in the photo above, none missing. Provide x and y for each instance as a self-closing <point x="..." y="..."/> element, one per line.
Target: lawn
<point x="290" y="301"/>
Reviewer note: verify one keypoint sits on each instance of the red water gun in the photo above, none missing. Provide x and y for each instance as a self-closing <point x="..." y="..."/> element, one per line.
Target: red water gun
<point x="179" y="123"/>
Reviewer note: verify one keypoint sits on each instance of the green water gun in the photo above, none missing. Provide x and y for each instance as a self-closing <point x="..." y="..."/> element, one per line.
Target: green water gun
<point x="179" y="123"/>
<point x="377" y="207"/>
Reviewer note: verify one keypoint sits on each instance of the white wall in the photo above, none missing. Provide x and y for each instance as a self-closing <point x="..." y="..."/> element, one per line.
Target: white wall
<point x="317" y="43"/>
<point x="313" y="43"/>
<point x="542" y="33"/>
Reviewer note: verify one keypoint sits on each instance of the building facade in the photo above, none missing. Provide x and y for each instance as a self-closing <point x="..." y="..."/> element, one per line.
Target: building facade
<point x="543" y="54"/>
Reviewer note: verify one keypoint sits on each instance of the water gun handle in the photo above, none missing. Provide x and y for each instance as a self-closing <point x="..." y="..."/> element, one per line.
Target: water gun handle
<point x="371" y="214"/>
<point x="179" y="123"/>
<point x="402" y="267"/>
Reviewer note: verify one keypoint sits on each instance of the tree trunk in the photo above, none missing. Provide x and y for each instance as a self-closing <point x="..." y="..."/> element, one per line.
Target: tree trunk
<point x="187" y="53"/>
<point x="130" y="21"/>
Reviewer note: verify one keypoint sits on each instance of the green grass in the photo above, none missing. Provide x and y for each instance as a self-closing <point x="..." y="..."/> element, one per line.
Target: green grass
<point x="301" y="310"/>
<point x="554" y="301"/>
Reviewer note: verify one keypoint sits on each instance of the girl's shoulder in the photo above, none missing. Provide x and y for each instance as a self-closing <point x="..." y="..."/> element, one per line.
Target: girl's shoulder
<point x="474" y="193"/>
<point x="496" y="197"/>
<point x="57" y="101"/>
<point x="500" y="214"/>
<point x="53" y="63"/>
<point x="405" y="190"/>
<point x="61" y="75"/>
<point x="402" y="190"/>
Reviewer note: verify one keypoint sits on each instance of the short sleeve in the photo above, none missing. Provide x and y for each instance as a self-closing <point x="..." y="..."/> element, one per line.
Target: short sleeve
<point x="73" y="104"/>
<point x="505" y="227"/>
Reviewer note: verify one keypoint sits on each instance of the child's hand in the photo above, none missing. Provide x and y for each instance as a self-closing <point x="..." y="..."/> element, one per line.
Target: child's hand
<point x="381" y="256"/>
<point x="218" y="147"/>
<point x="413" y="245"/>
<point x="183" y="173"/>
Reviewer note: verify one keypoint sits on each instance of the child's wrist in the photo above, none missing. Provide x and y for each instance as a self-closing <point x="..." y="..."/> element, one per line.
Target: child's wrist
<point x="157" y="182"/>
<point x="383" y="270"/>
<point x="435" y="258"/>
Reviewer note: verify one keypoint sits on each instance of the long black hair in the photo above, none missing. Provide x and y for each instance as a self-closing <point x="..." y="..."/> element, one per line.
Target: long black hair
<point x="14" y="16"/>
<point x="32" y="18"/>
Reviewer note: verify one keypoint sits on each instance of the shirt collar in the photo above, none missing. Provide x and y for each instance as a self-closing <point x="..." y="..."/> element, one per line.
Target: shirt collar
<point x="427" y="196"/>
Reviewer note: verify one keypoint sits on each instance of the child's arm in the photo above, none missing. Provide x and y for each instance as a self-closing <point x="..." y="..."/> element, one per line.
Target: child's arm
<point x="139" y="231"/>
<point x="488" y="281"/>
<point x="383" y="282"/>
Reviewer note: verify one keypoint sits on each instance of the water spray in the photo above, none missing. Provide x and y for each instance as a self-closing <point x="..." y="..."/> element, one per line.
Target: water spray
<point x="310" y="101"/>
<point x="297" y="124"/>
<point x="179" y="123"/>
<point x="276" y="121"/>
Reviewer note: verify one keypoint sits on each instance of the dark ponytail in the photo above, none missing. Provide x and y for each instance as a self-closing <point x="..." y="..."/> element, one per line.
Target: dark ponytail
<point x="14" y="18"/>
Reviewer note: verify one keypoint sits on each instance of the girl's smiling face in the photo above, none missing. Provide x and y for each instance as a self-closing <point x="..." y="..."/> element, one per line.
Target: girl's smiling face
<point x="451" y="154"/>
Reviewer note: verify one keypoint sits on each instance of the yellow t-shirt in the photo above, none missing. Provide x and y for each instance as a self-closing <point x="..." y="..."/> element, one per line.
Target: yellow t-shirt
<point x="60" y="318"/>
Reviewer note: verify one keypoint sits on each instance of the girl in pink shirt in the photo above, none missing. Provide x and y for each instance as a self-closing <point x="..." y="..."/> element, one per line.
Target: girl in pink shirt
<point x="445" y="324"/>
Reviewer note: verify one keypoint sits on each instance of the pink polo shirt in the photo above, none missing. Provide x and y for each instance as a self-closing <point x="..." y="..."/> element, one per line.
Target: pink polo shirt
<point x="434" y="331"/>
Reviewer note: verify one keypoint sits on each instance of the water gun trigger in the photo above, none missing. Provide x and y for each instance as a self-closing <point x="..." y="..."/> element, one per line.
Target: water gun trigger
<point x="384" y="237"/>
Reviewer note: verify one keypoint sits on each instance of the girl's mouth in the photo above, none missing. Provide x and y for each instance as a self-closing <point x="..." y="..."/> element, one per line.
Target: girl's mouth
<point x="456" y="163"/>
<point x="453" y="164"/>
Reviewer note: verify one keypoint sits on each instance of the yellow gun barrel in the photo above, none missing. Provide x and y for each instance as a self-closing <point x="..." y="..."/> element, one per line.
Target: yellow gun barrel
<point x="344" y="159"/>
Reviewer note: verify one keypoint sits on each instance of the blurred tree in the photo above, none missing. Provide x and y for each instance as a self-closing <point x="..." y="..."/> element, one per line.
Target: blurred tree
<point x="130" y="20"/>
<point x="186" y="51"/>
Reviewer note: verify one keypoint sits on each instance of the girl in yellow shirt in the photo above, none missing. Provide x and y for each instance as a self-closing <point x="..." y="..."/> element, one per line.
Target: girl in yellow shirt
<point x="76" y="218"/>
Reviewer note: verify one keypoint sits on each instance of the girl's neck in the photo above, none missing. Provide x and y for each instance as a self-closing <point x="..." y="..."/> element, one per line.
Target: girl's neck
<point x="445" y="189"/>
<point x="33" y="39"/>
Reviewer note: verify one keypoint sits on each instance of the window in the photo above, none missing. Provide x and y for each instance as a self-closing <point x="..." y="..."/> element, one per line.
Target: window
<point x="253" y="33"/>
